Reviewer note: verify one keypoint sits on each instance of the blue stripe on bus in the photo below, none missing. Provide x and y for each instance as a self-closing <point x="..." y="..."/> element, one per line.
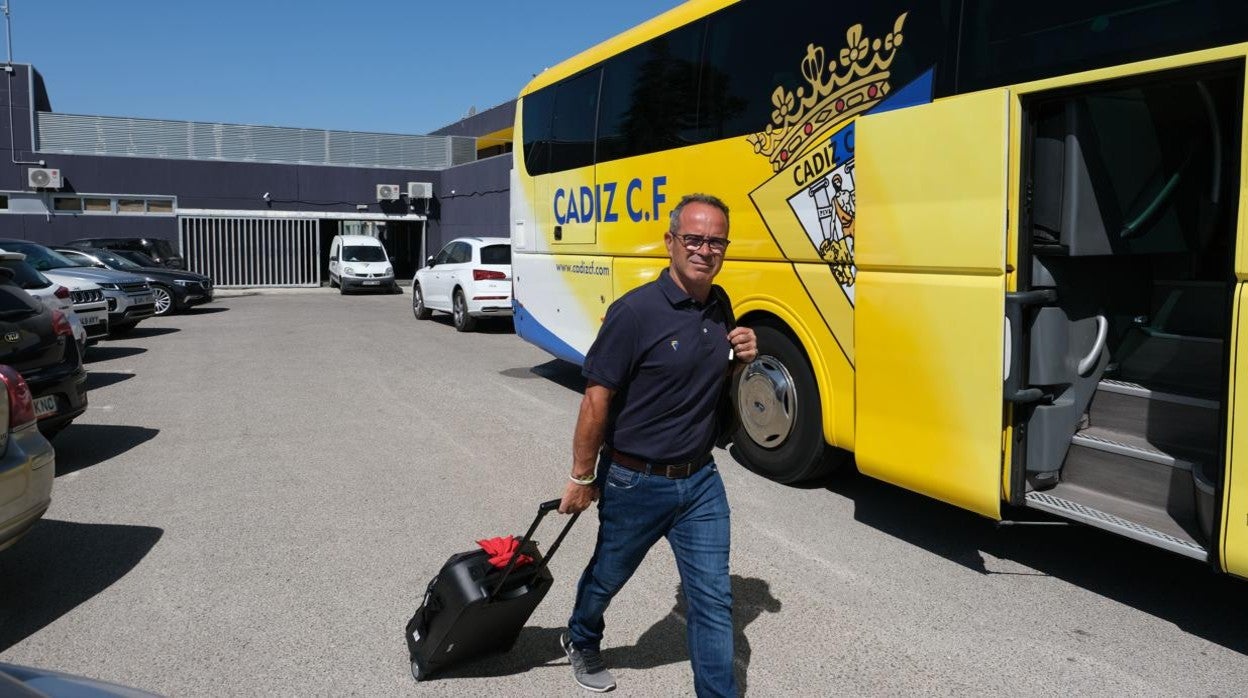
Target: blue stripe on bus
<point x="532" y="331"/>
<point x="917" y="91"/>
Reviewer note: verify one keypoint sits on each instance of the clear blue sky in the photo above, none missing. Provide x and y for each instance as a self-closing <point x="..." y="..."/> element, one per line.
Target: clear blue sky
<point x="399" y="66"/>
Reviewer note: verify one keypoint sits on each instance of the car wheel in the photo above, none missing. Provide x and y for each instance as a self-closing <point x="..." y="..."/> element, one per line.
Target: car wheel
<point x="463" y="321"/>
<point x="332" y="283"/>
<point x="781" y="432"/>
<point x="419" y="309"/>
<point x="164" y="300"/>
<point x="342" y="289"/>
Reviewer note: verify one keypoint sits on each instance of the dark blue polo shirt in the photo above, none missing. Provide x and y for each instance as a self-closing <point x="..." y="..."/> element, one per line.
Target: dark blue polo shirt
<point x="666" y="356"/>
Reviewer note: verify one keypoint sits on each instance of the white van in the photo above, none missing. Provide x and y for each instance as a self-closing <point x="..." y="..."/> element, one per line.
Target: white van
<point x="360" y="262"/>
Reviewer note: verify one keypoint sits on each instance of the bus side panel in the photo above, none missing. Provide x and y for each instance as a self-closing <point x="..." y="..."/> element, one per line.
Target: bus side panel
<point x="631" y="272"/>
<point x="567" y="207"/>
<point x="1234" y="524"/>
<point x="931" y="246"/>
<point x="560" y="300"/>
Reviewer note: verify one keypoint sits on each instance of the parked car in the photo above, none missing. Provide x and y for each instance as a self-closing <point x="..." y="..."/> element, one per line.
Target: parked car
<point x="82" y="302"/>
<point x="27" y="461"/>
<point x="470" y="279"/>
<point x="137" y="257"/>
<point x="128" y="296"/>
<point x="158" y="249"/>
<point x="39" y="343"/>
<point x="173" y="290"/>
<point x="18" y="681"/>
<point x="360" y="262"/>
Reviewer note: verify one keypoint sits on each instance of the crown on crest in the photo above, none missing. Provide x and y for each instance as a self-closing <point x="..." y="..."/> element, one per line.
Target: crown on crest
<point x="834" y="96"/>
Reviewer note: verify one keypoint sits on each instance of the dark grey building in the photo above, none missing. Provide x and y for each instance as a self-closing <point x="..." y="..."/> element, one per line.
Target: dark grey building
<point x="250" y="205"/>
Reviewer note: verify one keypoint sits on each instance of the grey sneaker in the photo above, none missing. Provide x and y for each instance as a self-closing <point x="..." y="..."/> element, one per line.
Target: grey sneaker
<point x="588" y="669"/>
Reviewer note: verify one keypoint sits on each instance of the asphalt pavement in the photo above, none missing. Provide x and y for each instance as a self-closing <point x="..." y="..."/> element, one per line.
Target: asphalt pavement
<point x="261" y="489"/>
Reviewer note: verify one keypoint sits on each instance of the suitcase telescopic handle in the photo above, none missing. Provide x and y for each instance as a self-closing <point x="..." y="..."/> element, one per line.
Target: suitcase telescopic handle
<point x="542" y="510"/>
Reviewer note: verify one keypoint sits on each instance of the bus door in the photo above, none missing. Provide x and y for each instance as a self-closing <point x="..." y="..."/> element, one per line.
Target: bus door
<point x="1127" y="233"/>
<point x="567" y="204"/>
<point x="1234" y="520"/>
<point x="930" y="319"/>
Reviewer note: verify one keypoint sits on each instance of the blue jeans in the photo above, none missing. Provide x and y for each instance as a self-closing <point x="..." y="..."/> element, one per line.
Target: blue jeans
<point x="637" y="509"/>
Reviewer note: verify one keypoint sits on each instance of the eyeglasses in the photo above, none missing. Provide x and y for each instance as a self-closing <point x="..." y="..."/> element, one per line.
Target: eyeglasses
<point x="693" y="243"/>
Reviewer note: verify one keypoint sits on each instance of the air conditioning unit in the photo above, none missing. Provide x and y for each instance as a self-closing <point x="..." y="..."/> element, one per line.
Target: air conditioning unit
<point x="388" y="192"/>
<point x="43" y="178"/>
<point x="420" y="190"/>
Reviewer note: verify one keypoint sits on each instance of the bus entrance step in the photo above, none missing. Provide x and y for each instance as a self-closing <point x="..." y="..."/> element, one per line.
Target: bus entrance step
<point x="1096" y="518"/>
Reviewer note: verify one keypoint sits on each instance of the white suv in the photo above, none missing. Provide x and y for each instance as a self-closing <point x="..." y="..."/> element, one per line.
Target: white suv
<point x="470" y="278"/>
<point x="81" y="301"/>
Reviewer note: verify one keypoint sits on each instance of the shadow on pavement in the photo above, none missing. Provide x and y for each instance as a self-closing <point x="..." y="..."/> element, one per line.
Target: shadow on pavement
<point x="100" y="379"/>
<point x="485" y="325"/>
<point x="557" y="371"/>
<point x="141" y="332"/>
<point x="663" y="643"/>
<point x="204" y="310"/>
<point x="108" y="352"/>
<point x="61" y="564"/>
<point x="1177" y="589"/>
<point x="84" y="445"/>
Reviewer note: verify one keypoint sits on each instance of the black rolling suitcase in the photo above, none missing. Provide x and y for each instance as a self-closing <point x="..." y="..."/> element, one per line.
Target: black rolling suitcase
<point x="471" y="607"/>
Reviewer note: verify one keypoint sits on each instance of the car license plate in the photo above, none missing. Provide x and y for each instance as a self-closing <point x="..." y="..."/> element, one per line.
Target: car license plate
<point x="45" y="406"/>
<point x="143" y="299"/>
<point x="89" y="319"/>
<point x="371" y="283"/>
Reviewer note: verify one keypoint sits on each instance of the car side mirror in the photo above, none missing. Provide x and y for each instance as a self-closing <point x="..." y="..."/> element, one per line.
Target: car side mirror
<point x="333" y="258"/>
<point x="429" y="262"/>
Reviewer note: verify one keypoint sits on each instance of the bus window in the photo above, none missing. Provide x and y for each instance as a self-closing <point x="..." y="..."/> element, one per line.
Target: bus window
<point x="739" y="80"/>
<point x="572" y="132"/>
<point x="538" y="113"/>
<point x="650" y="96"/>
<point x="1009" y="42"/>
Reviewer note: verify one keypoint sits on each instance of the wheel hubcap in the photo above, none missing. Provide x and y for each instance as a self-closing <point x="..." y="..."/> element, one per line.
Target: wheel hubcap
<point x="417" y="302"/>
<point x="767" y="402"/>
<point x="459" y="308"/>
<point x="162" y="301"/>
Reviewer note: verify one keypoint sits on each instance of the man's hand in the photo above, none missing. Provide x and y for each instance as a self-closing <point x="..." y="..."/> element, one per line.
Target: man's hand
<point x="577" y="498"/>
<point x="591" y="424"/>
<point x="744" y="344"/>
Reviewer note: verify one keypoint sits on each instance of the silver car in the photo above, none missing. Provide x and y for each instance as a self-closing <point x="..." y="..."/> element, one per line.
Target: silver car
<point x="27" y="461"/>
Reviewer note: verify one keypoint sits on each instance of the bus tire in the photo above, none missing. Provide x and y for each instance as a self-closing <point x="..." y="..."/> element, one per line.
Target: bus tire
<point x="781" y="432"/>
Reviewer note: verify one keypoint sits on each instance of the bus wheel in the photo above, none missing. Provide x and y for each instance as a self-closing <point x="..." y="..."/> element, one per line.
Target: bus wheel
<point x="781" y="434"/>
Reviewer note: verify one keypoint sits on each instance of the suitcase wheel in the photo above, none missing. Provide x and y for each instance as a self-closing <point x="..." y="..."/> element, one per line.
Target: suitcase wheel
<point x="418" y="672"/>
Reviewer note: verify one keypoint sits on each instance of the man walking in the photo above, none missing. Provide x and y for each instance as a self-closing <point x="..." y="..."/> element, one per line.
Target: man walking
<point x="643" y="444"/>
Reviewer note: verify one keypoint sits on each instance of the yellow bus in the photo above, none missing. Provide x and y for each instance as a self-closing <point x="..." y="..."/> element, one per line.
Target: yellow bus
<point x="1028" y="290"/>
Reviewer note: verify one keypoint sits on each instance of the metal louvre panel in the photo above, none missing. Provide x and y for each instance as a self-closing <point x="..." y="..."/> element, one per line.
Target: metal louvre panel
<point x="120" y="136"/>
<point x="245" y="251"/>
<point x="463" y="150"/>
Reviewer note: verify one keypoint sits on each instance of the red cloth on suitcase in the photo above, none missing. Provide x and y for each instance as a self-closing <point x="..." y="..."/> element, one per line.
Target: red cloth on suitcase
<point x="501" y="550"/>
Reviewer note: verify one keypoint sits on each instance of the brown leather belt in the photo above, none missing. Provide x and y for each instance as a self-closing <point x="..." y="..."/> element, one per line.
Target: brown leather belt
<point x="673" y="471"/>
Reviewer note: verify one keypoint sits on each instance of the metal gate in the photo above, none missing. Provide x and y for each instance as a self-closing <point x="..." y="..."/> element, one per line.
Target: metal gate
<point x="252" y="251"/>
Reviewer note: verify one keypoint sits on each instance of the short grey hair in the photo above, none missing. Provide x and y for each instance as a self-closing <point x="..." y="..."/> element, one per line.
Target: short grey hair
<point x="674" y="224"/>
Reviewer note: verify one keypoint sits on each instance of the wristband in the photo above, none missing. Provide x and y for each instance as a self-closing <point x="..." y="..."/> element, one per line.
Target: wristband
<point x="593" y="477"/>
